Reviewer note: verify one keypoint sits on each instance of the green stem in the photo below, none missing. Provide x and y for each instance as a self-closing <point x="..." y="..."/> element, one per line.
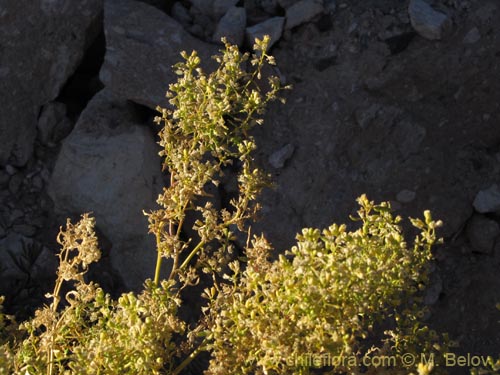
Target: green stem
<point x="159" y="256"/>
<point x="191" y="255"/>
<point x="158" y="260"/>
<point x="189" y="359"/>
<point x="177" y="234"/>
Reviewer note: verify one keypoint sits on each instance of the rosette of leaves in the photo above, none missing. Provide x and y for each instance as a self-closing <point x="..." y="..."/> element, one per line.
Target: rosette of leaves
<point x="324" y="296"/>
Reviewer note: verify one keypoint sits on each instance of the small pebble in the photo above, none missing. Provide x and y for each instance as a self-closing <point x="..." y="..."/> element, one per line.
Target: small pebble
<point x="406" y="196"/>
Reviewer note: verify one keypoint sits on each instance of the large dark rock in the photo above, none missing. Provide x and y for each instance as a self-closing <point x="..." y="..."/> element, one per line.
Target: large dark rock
<point x="142" y="44"/>
<point x="41" y="44"/>
<point x="109" y="166"/>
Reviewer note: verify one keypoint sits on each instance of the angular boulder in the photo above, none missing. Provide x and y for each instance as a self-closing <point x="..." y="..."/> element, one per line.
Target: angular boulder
<point x="302" y="12"/>
<point x="42" y="43"/>
<point x="272" y="27"/>
<point x="142" y="44"/>
<point x="232" y="26"/>
<point x="488" y="200"/>
<point x="109" y="165"/>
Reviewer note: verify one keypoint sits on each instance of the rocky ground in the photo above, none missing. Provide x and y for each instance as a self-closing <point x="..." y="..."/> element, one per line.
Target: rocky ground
<point x="396" y="99"/>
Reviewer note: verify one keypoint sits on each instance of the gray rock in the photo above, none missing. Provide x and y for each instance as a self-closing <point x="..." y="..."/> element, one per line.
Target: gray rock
<point x="38" y="221"/>
<point x="409" y="136"/>
<point x="109" y="166"/>
<point x="451" y="206"/>
<point x="14" y="254"/>
<point x="139" y="55"/>
<point x="220" y="7"/>
<point x="10" y="169"/>
<point x="482" y="233"/>
<point x="364" y="116"/>
<point x="204" y="21"/>
<point x="34" y="69"/>
<point x="181" y="14"/>
<point x="279" y="158"/>
<point x="232" y="26"/>
<point x="197" y="31"/>
<point x="472" y="36"/>
<point x="269" y="6"/>
<point x="3" y="231"/>
<point x="330" y="6"/>
<point x="426" y="21"/>
<point x="26" y="230"/>
<point x="406" y="196"/>
<point x="486" y="12"/>
<point x="45" y="266"/>
<point x="23" y="259"/>
<point x="272" y="27"/>
<point x="302" y="12"/>
<point x="488" y="200"/>
<point x="202" y="6"/>
<point x="15" y="214"/>
<point x="15" y="183"/>
<point x="4" y="178"/>
<point x="53" y="125"/>
<point x="37" y="183"/>
<point x="287" y="3"/>
<point x="433" y="291"/>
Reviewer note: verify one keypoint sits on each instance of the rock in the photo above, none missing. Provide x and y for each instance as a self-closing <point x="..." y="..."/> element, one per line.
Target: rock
<point x="15" y="183"/>
<point x="272" y="27"/>
<point x="36" y="219"/>
<point x="24" y="262"/>
<point x="426" y="21"/>
<point x="472" y="36"/>
<point x="406" y="196"/>
<point x="220" y="7"/>
<point x="4" y="178"/>
<point x="16" y="252"/>
<point x="269" y="6"/>
<point x="279" y="158"/>
<point x="486" y="12"/>
<point x="255" y="13"/>
<point x="109" y="166"/>
<point x="34" y="69"/>
<point x="53" y="125"/>
<point x="204" y="21"/>
<point x="25" y="229"/>
<point x="232" y="26"/>
<point x="364" y="116"/>
<point x="15" y="215"/>
<point x="452" y="207"/>
<point x="139" y="55"/>
<point x="181" y="14"/>
<point x="482" y="233"/>
<point x="433" y="290"/>
<point x="287" y="3"/>
<point x="202" y="6"/>
<point x="488" y="200"/>
<point x="409" y="137"/>
<point x="45" y="266"/>
<point x="37" y="183"/>
<point x="197" y="31"/>
<point x="11" y="170"/>
<point x="3" y="231"/>
<point x="302" y="12"/>
<point x="330" y="6"/>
